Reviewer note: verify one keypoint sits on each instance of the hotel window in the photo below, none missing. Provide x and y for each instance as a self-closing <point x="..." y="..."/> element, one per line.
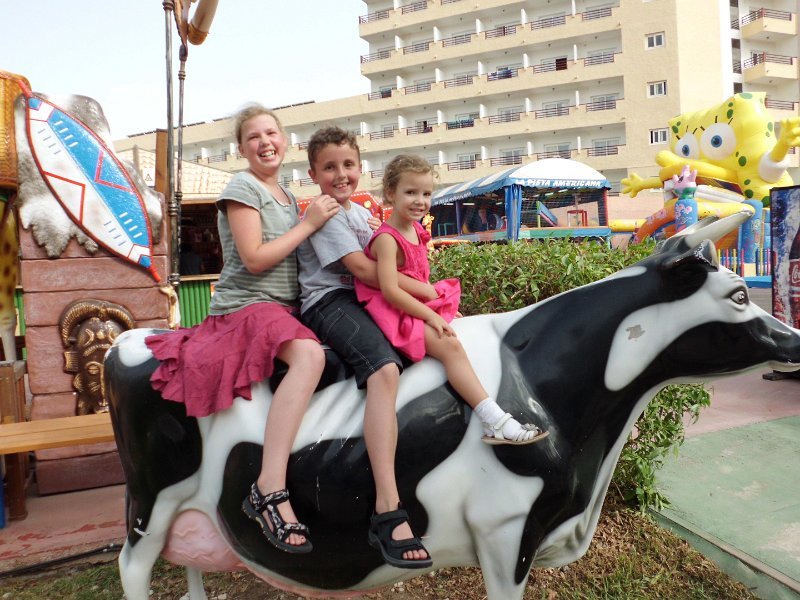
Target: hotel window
<point x="656" y="88"/>
<point x="655" y="40"/>
<point x="659" y="136"/>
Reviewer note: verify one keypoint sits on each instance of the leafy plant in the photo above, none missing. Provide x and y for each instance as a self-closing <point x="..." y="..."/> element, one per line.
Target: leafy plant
<point x="504" y="277"/>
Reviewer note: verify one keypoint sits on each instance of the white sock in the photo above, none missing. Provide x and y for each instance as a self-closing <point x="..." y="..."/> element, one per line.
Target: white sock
<point x="490" y="413"/>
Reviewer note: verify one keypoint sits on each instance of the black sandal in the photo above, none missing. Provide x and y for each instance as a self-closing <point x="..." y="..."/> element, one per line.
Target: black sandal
<point x="256" y="503"/>
<point x="380" y="537"/>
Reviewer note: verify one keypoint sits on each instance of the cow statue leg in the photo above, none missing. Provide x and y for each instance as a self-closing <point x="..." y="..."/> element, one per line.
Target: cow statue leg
<point x="136" y="560"/>
<point x="194" y="580"/>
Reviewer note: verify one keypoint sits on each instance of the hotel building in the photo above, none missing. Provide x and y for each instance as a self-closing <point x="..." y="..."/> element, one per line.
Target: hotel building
<point x="475" y="86"/>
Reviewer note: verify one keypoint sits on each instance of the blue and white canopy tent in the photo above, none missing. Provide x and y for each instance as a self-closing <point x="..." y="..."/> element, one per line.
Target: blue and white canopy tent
<point x="530" y="184"/>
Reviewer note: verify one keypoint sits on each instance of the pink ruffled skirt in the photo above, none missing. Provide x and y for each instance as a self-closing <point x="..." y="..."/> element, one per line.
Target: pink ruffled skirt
<point x="208" y="365"/>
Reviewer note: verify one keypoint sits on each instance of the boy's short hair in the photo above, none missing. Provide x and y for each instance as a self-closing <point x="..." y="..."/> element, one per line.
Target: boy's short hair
<point x="330" y="135"/>
<point x="250" y="111"/>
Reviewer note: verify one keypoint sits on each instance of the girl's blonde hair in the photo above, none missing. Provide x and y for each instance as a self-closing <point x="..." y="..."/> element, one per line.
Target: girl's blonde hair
<point x="402" y="163"/>
<point x="250" y="111"/>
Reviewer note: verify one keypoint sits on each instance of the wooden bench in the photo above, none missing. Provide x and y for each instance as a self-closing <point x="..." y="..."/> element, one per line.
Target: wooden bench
<point x="18" y="437"/>
<point x="55" y="433"/>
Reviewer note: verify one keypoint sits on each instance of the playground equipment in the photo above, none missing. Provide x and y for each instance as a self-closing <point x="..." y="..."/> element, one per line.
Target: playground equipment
<point x="738" y="157"/>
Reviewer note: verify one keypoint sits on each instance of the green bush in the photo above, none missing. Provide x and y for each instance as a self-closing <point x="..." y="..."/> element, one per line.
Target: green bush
<point x="503" y="277"/>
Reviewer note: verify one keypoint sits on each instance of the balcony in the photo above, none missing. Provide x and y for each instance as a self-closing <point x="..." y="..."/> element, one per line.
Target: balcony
<point x="556" y="111"/>
<point x="506" y="161"/>
<point x="375" y="16"/>
<point x="379" y="55"/>
<point x="381" y="94"/>
<point x="381" y="135"/>
<point x="502" y="74"/>
<point x="764" y="23"/>
<point x="780" y="104"/>
<point x="418" y="47"/>
<point x="765" y="67"/>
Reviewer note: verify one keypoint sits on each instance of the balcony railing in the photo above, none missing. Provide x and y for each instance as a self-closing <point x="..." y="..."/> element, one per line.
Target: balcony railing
<point x="376" y="16"/>
<point x="506" y="118"/>
<point x="380" y="94"/>
<point x="557" y="111"/>
<point x="501" y="31"/>
<point x="456" y="40"/>
<point x="779" y="104"/>
<point x="417" y="129"/>
<point x="603" y="151"/>
<point x="418" y="47"/>
<point x="505" y="161"/>
<point x="380" y="135"/>
<point x="414" y="7"/>
<point x="599" y="59"/>
<point x="763" y="13"/>
<point x="376" y="174"/>
<point x="459" y="81"/>
<point x="305" y="181"/>
<point x="559" y="64"/>
<point x="380" y="55"/>
<point x="735" y="24"/>
<point x="596" y="13"/>
<point x="460" y="124"/>
<point x="502" y="74"/>
<point x="601" y="105"/>
<point x="765" y="57"/>
<point x="548" y="22"/>
<point x="553" y="154"/>
<point x="737" y="67"/>
<point x="302" y="145"/>
<point x="449" y="1"/>
<point x="461" y="165"/>
<point x="418" y="87"/>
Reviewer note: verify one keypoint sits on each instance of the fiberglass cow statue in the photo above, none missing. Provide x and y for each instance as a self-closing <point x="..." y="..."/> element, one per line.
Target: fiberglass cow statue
<point x="584" y="363"/>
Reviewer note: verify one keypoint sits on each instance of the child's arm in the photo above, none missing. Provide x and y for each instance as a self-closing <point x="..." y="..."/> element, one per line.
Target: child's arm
<point x="386" y="251"/>
<point x="366" y="270"/>
<point x="257" y="255"/>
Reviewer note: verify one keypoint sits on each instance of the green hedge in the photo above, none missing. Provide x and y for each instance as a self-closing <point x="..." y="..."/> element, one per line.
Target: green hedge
<point x="503" y="277"/>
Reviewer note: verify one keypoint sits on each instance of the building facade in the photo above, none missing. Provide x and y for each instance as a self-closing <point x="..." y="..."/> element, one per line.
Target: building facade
<point x="475" y="86"/>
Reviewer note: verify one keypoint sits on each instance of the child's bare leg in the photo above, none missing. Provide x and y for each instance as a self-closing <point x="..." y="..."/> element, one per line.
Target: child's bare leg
<point x="380" y="436"/>
<point x="498" y="425"/>
<point x="449" y="351"/>
<point x="306" y="361"/>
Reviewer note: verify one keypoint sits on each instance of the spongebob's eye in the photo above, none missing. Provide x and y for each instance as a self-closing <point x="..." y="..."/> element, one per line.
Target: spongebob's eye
<point x="739" y="296"/>
<point x="687" y="146"/>
<point x="718" y="141"/>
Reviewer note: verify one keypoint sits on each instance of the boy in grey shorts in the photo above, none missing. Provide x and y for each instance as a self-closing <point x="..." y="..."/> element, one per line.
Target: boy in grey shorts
<point x="328" y="261"/>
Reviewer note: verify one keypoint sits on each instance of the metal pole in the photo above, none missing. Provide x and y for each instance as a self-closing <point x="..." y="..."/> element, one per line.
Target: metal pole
<point x="172" y="206"/>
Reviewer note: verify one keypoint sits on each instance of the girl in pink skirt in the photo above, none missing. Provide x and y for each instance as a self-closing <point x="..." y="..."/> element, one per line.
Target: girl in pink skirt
<point x="252" y="321"/>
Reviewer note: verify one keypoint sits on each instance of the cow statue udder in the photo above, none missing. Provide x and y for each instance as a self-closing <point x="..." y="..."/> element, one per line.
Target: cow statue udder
<point x="583" y="363"/>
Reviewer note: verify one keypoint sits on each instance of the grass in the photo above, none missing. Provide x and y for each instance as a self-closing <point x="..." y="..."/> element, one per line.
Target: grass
<point x="631" y="558"/>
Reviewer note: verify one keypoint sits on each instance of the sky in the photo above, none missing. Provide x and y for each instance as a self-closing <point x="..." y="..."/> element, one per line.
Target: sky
<point x="276" y="52"/>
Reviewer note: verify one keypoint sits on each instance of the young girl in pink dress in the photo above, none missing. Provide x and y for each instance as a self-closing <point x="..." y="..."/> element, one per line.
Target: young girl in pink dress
<point x="415" y="328"/>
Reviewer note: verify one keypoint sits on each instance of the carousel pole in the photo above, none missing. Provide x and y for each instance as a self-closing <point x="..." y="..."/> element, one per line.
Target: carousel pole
<point x="182" y="55"/>
<point x="172" y="206"/>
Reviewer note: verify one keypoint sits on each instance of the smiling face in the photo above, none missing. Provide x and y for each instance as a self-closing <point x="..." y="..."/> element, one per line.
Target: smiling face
<point x="336" y="170"/>
<point x="263" y="144"/>
<point x="411" y="198"/>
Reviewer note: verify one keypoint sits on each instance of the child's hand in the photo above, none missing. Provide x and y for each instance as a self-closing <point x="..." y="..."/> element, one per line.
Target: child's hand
<point x="320" y="210"/>
<point x="441" y="326"/>
<point x="374" y="223"/>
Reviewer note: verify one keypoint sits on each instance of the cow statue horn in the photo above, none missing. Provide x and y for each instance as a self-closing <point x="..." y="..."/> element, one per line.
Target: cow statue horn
<point x="711" y="228"/>
<point x="584" y="364"/>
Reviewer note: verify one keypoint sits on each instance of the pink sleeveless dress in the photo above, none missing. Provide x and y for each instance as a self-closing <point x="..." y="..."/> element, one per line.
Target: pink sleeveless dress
<point x="407" y="333"/>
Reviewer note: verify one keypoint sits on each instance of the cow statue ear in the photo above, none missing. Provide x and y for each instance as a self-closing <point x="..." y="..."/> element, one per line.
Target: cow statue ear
<point x="704" y="253"/>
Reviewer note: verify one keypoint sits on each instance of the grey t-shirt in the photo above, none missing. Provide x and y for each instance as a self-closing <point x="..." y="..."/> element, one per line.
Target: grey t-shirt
<point x="238" y="287"/>
<point x="321" y="269"/>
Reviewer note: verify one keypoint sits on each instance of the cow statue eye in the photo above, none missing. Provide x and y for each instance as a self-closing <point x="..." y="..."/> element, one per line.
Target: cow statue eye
<point x="740" y="296"/>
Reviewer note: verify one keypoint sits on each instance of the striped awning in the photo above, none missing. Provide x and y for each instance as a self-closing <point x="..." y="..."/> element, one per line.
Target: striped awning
<point x="549" y="173"/>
